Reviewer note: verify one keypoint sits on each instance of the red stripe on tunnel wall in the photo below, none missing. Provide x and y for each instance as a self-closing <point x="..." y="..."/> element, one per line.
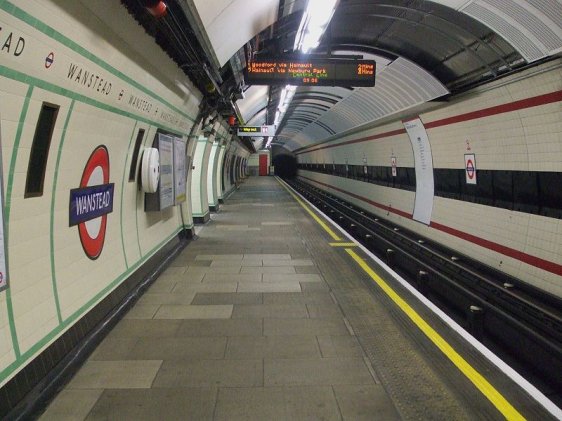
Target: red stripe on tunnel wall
<point x="499" y="109"/>
<point x="507" y="251"/>
<point x="485" y="112"/>
<point x="531" y="260"/>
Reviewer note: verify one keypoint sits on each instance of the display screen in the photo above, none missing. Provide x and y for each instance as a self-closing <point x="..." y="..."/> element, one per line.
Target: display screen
<point x="319" y="72"/>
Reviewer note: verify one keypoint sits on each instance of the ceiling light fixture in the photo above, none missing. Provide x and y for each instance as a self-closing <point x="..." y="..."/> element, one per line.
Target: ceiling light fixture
<point x="314" y="22"/>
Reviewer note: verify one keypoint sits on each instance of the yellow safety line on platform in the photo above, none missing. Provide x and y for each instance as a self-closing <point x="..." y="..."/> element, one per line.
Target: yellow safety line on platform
<point x="343" y="244"/>
<point x="314" y="216"/>
<point x="495" y="397"/>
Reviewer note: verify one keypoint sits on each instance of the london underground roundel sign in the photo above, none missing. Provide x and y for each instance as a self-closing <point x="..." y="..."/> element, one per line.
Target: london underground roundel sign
<point x="92" y="201"/>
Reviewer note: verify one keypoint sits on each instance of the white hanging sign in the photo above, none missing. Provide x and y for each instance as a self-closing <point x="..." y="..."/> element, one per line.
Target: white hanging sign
<point x="424" y="170"/>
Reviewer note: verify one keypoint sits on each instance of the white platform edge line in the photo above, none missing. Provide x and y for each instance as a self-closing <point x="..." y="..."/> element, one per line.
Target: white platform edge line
<point x="485" y="351"/>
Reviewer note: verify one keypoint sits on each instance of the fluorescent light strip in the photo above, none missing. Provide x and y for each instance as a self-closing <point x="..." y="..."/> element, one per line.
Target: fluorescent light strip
<point x="314" y="22"/>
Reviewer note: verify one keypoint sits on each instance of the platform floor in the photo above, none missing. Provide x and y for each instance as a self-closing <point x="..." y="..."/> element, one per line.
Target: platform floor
<point x="262" y="318"/>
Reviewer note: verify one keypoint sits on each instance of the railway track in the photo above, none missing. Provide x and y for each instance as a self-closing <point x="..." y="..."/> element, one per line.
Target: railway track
<point x="522" y="324"/>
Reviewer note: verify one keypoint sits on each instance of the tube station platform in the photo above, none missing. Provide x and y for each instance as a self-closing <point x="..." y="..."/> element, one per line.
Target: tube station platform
<point x="272" y="313"/>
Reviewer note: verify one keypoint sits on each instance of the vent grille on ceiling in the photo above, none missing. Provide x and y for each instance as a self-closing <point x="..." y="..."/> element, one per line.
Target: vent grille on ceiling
<point x="533" y="27"/>
<point x="551" y="9"/>
<point x="401" y="85"/>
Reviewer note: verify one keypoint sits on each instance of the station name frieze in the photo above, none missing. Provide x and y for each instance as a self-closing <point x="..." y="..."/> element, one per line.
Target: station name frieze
<point x="89" y="79"/>
<point x="11" y="44"/>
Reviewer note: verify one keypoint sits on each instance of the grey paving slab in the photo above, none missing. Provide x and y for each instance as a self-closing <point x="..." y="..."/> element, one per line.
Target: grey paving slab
<point x="131" y="328"/>
<point x="159" y="298"/>
<point x="71" y="405"/>
<point x="204" y="373"/>
<point x="277" y="223"/>
<point x="219" y="257"/>
<point x="112" y="348"/>
<point x="264" y="311"/>
<point x="207" y="287"/>
<point x="343" y="346"/>
<point x="280" y="277"/>
<point x="259" y="347"/>
<point x="311" y="403"/>
<point x="193" y="277"/>
<point x="277" y="403"/>
<point x="365" y="403"/>
<point x="196" y="263"/>
<point x="316" y="372"/>
<point x="268" y="256"/>
<point x="314" y="286"/>
<point x="292" y="262"/>
<point x="306" y="270"/>
<point x="304" y="327"/>
<point x="250" y="404"/>
<point x="228" y="298"/>
<point x="269" y="287"/>
<point x="115" y="375"/>
<point x="221" y="327"/>
<point x="321" y="297"/>
<point x="155" y="404"/>
<point x="251" y="262"/>
<point x="226" y="264"/>
<point x="142" y="311"/>
<point x="173" y="270"/>
<point x="268" y="269"/>
<point x="194" y="312"/>
<point x="178" y="348"/>
<point x="324" y="311"/>
<point x="231" y="269"/>
<point x="246" y="277"/>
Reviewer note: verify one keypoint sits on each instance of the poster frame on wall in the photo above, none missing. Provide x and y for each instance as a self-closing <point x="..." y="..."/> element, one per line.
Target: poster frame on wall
<point x="180" y="170"/>
<point x="164" y="197"/>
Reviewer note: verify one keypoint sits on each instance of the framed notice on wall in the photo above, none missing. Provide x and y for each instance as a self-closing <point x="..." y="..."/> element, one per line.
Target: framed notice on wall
<point x="180" y="170"/>
<point x="3" y="245"/>
<point x="164" y="196"/>
<point x="166" y="185"/>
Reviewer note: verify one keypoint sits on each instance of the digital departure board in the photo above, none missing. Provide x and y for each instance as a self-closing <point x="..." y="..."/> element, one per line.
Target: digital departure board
<point x="314" y="72"/>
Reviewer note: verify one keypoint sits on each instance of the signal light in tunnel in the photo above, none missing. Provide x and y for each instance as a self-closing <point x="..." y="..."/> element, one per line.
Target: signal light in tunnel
<point x="231" y="120"/>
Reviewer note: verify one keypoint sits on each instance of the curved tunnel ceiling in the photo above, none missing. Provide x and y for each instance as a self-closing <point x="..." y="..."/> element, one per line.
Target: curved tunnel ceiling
<point x="424" y="50"/>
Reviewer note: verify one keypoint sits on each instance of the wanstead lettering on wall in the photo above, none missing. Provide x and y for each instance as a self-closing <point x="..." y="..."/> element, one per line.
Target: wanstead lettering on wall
<point x="140" y="103"/>
<point x="93" y="202"/>
<point x="88" y="79"/>
<point x="12" y="45"/>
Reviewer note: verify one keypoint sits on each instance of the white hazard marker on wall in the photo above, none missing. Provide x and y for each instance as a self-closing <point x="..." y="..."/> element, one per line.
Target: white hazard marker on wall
<point x="470" y="168"/>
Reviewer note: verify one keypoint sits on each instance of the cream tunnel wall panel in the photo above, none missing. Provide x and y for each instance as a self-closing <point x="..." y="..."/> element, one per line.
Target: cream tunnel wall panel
<point x="211" y="177"/>
<point x="219" y="174"/>
<point x="199" y="203"/>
